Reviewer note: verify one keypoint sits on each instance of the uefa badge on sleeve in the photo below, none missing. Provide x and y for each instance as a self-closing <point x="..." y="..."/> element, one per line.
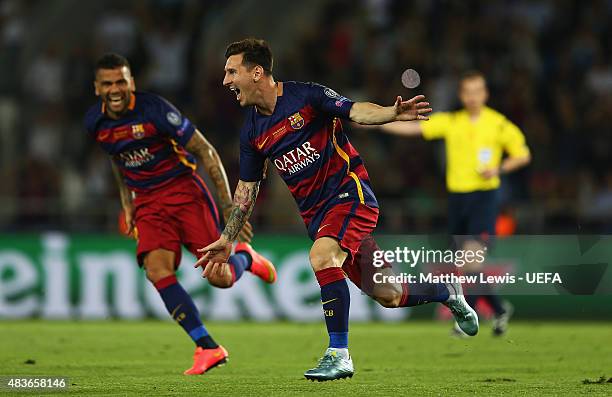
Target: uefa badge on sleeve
<point x="332" y="94"/>
<point x="173" y="118"/>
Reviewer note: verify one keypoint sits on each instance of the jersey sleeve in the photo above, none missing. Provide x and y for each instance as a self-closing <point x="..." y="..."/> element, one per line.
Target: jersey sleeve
<point x="252" y="162"/>
<point x="437" y="126"/>
<point x="329" y="101"/>
<point x="513" y="140"/>
<point x="172" y="123"/>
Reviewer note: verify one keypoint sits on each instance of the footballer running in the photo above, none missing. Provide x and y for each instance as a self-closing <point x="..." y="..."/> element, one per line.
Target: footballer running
<point x="153" y="150"/>
<point x="298" y="128"/>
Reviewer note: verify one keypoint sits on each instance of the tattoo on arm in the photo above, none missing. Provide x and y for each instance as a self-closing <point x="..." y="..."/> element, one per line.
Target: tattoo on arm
<point x="244" y="202"/>
<point x="199" y="146"/>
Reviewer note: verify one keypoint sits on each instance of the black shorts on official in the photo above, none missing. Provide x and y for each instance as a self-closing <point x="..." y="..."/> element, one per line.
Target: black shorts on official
<point x="473" y="214"/>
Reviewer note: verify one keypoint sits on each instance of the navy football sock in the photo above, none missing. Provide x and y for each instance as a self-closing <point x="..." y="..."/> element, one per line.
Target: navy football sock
<point x="336" y="302"/>
<point x="239" y="262"/>
<point x="419" y="294"/>
<point x="182" y="309"/>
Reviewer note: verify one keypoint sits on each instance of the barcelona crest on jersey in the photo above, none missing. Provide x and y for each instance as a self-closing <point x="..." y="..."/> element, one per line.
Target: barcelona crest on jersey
<point x="296" y="120"/>
<point x="138" y="131"/>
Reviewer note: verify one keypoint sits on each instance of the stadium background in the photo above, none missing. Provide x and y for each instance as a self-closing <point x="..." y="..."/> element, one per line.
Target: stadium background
<point x="548" y="65"/>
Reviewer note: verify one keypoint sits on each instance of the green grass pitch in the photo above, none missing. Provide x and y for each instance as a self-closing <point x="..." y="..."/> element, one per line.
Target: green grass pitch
<point x="410" y="358"/>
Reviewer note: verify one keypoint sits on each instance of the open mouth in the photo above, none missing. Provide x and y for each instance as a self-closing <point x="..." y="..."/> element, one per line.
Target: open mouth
<point x="236" y="91"/>
<point x="115" y="101"/>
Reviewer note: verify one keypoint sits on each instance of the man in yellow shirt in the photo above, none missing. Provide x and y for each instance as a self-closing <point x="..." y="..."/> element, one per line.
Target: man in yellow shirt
<point x="476" y="138"/>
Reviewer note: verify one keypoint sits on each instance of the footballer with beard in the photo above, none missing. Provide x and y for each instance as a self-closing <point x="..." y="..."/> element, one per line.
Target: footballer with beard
<point x="153" y="151"/>
<point x="296" y="127"/>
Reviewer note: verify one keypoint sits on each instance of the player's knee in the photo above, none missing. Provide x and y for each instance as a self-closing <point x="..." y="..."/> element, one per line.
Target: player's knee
<point x="326" y="253"/>
<point x="158" y="265"/>
<point x="389" y="295"/>
<point x="156" y="273"/>
<point x="323" y="260"/>
<point x="389" y="301"/>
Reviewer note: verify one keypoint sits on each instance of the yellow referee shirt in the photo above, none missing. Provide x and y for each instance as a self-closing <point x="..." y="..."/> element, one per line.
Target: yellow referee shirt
<point x="474" y="146"/>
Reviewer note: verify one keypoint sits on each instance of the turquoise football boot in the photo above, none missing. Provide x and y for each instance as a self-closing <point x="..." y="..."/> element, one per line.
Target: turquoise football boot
<point x="465" y="316"/>
<point x="331" y="366"/>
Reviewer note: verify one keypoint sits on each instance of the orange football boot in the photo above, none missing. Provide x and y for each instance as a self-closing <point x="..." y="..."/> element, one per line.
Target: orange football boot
<point x="260" y="266"/>
<point x="205" y="359"/>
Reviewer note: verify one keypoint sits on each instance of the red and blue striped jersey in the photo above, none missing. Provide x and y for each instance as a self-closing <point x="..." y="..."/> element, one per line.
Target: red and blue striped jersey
<point x="303" y="139"/>
<point x="147" y="142"/>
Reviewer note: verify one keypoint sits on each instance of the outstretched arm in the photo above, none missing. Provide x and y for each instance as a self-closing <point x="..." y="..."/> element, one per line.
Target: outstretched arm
<point x="209" y="158"/>
<point x="371" y="114"/>
<point x="403" y="128"/>
<point x="400" y="128"/>
<point x="244" y="202"/>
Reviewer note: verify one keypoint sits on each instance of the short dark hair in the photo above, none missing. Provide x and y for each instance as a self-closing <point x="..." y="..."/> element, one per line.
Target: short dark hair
<point x="254" y="52"/>
<point x="111" y="61"/>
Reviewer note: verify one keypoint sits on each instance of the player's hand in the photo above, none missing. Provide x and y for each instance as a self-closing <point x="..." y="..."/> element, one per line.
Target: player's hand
<point x="489" y="173"/>
<point x="127" y="221"/>
<point x="217" y="271"/>
<point x="412" y="109"/>
<point x="217" y="252"/>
